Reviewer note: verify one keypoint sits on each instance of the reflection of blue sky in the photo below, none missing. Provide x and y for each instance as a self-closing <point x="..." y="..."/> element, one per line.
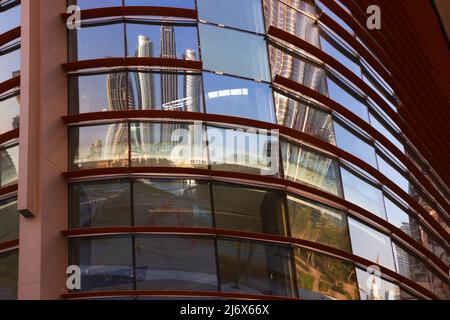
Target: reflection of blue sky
<point x="9" y="63"/>
<point x="9" y="19"/>
<point x="395" y="215"/>
<point x="89" y="4"/>
<point x="9" y="109"/>
<point x="392" y="174"/>
<point x="332" y="51"/>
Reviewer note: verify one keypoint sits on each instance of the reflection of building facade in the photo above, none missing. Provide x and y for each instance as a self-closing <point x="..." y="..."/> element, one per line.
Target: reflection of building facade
<point x="192" y="85"/>
<point x="169" y="83"/>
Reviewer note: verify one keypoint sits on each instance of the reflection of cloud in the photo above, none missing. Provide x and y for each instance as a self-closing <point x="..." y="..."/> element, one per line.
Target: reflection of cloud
<point x="228" y="92"/>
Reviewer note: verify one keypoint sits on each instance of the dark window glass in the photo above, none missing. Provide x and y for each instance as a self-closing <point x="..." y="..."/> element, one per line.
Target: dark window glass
<point x="250" y="151"/>
<point x="9" y="165"/>
<point x="9" y="220"/>
<point x="100" y="204"/>
<point x="165" y="41"/>
<point x="294" y="67"/>
<point x="183" y="203"/>
<point x="106" y="262"/>
<point x="9" y="109"/>
<point x="255" y="267"/>
<point x="292" y="21"/>
<point x="311" y="168"/>
<point x="234" y="52"/>
<point x="371" y="244"/>
<point x="436" y="246"/>
<point x="188" y="4"/>
<point x="237" y="97"/>
<point x="239" y="14"/>
<point x="399" y="218"/>
<point x="347" y="100"/>
<point x="372" y="287"/>
<point x="102" y="146"/>
<point x="10" y="19"/>
<point x="97" y="42"/>
<point x="303" y="116"/>
<point x="10" y="65"/>
<point x="175" y="263"/>
<point x="354" y="145"/>
<point x="322" y="277"/>
<point x="318" y="223"/>
<point x="168" y="145"/>
<point x="362" y="193"/>
<point x="9" y="266"/>
<point x="89" y="4"/>
<point x="248" y="209"/>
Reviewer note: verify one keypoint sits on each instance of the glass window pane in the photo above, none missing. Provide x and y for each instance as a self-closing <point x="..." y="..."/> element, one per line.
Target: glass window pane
<point x="106" y="263"/>
<point x="9" y="267"/>
<point x="182" y="203"/>
<point x="188" y="4"/>
<point x="436" y="246"/>
<point x="10" y="65"/>
<point x="234" y="52"/>
<point x="9" y="165"/>
<point x="311" y="168"/>
<point x="100" y="204"/>
<point x="315" y="222"/>
<point x="292" y="21"/>
<point x="385" y="132"/>
<point x="322" y="277"/>
<point x="297" y="68"/>
<point x="9" y="109"/>
<point x="175" y="263"/>
<point x="301" y="115"/>
<point x="168" y="145"/>
<point x="333" y="16"/>
<point x="102" y="146"/>
<point x="165" y="41"/>
<point x="9" y="220"/>
<point x="354" y="145"/>
<point x="255" y="267"/>
<point x="347" y="100"/>
<point x="236" y="97"/>
<point x="89" y="4"/>
<point x="253" y="151"/>
<point x="239" y="14"/>
<point x="10" y="19"/>
<point x="97" y="42"/>
<point x="261" y="211"/>
<point x="372" y="287"/>
<point x="370" y="244"/>
<point x="362" y="193"/>
<point x="402" y="220"/>
<point x="392" y="174"/>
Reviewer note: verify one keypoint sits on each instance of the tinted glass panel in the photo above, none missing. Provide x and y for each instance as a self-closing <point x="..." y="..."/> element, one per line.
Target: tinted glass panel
<point x="309" y="167"/>
<point x="89" y="4"/>
<point x="250" y="151"/>
<point x="189" y="4"/>
<point x="248" y="209"/>
<point x="354" y="145"/>
<point x="237" y="97"/>
<point x="106" y="263"/>
<point x="165" y="41"/>
<point x="297" y="68"/>
<point x="240" y="14"/>
<point x="102" y="146"/>
<point x="255" y="267"/>
<point x="372" y="287"/>
<point x="9" y="266"/>
<point x="167" y="145"/>
<point x="234" y="52"/>
<point x="321" y="277"/>
<point x="318" y="223"/>
<point x="371" y="244"/>
<point x="331" y="46"/>
<point x="175" y="263"/>
<point x="333" y="16"/>
<point x="338" y="94"/>
<point x="9" y="109"/>
<point x="10" y="19"/>
<point x="100" y="204"/>
<point x="385" y="132"/>
<point x="9" y="220"/>
<point x="303" y="116"/>
<point x="392" y="174"/>
<point x="362" y="193"/>
<point x="184" y="203"/>
<point x="402" y="220"/>
<point x="10" y="65"/>
<point x="9" y="165"/>
<point x="97" y="42"/>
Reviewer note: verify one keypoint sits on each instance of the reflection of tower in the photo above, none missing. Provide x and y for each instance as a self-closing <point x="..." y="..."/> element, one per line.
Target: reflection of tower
<point x="145" y="81"/>
<point x="191" y="86"/>
<point x="169" y="85"/>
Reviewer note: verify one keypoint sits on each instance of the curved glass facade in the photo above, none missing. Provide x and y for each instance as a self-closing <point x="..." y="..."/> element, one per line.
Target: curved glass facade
<point x="238" y="147"/>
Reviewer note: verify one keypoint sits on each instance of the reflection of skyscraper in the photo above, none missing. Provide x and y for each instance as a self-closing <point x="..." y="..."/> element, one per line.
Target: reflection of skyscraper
<point x="192" y="85"/>
<point x="169" y="84"/>
<point x="145" y="83"/>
